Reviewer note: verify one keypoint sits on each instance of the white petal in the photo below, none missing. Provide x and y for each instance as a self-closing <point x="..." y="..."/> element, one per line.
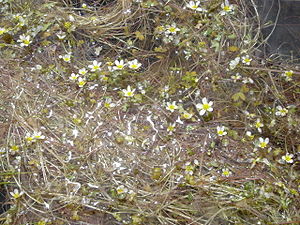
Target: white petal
<point x="199" y="106"/>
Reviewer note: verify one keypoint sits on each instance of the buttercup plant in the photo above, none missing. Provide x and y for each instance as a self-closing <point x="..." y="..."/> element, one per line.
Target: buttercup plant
<point x="205" y="106"/>
<point x="24" y="40"/>
<point x="138" y="112"/>
<point x="128" y="92"/>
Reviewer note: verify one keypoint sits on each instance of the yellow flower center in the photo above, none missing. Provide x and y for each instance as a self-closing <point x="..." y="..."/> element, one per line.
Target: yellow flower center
<point x="2" y="31"/>
<point x="26" y="42"/>
<point x="15" y="148"/>
<point x="129" y="93"/>
<point x="226" y="8"/>
<point x="172" y="29"/>
<point x="120" y="191"/>
<point x="289" y="73"/>
<point x="171" y="128"/>
<point x="226" y="173"/>
<point x="263" y="144"/>
<point x="287" y="158"/>
<point x="258" y="124"/>
<point x="187" y="115"/>
<point x="29" y="138"/>
<point x="283" y="111"/>
<point x="16" y="195"/>
<point x="81" y="83"/>
<point x="206" y="106"/>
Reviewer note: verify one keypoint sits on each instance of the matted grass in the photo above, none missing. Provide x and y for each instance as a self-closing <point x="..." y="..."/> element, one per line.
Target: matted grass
<point x="144" y="112"/>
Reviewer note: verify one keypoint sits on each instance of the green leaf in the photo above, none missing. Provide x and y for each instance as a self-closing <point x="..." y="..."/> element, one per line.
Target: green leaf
<point x="238" y="96"/>
<point x="139" y="35"/>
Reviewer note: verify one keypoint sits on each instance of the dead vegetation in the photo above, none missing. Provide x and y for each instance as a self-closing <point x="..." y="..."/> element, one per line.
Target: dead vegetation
<point x="144" y="112"/>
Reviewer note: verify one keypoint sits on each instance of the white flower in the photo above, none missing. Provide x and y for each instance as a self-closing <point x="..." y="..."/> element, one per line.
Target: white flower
<point x="81" y="82"/>
<point x="98" y="50"/>
<point x="75" y="133"/>
<point x="171" y="128"/>
<point x="194" y="6"/>
<point x="233" y="63"/>
<point x="226" y="8"/>
<point x="288" y="158"/>
<point x="246" y="60"/>
<point x="249" y="134"/>
<point x="38" y="135"/>
<point x="221" y="131"/>
<point x="35" y="136"/>
<point x="186" y="115"/>
<point x="172" y="29"/>
<point x="262" y="143"/>
<point x="121" y="190"/>
<point x="226" y="172"/>
<point x="61" y="35"/>
<point x="29" y="138"/>
<point x="172" y="106"/>
<point x="24" y="40"/>
<point x="247" y="80"/>
<point x="258" y="125"/>
<point x="249" y="115"/>
<point x="71" y="18"/>
<point x="134" y="64"/>
<point x="288" y="75"/>
<point x="128" y="92"/>
<point x="205" y="106"/>
<point x="108" y="103"/>
<point x="236" y="77"/>
<point x="189" y="169"/>
<point x="2" y="30"/>
<point x="95" y="66"/>
<point x="82" y="71"/>
<point x="281" y="111"/>
<point x="66" y="57"/>
<point x="16" y="194"/>
<point x="73" y="76"/>
<point x="119" y="65"/>
<point x="179" y="120"/>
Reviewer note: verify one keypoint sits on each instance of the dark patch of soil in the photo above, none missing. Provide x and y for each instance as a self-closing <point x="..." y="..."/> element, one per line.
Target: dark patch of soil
<point x="280" y="21"/>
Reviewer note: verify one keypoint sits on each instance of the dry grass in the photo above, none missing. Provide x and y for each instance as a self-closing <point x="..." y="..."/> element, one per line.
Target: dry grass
<point x="104" y="158"/>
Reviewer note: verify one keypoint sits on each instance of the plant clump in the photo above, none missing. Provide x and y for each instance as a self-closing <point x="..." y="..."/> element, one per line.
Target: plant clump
<point x="144" y="112"/>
